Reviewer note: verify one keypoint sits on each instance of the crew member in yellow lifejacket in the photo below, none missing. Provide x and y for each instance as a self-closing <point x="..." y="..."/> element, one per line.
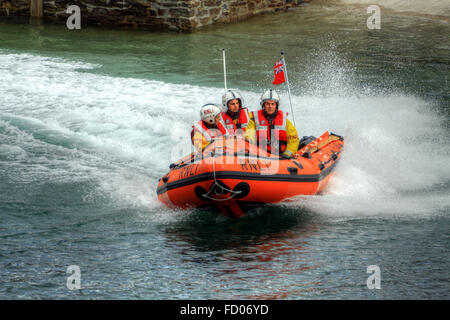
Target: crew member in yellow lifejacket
<point x="274" y="132"/>
<point x="236" y="117"/>
<point x="209" y="127"/>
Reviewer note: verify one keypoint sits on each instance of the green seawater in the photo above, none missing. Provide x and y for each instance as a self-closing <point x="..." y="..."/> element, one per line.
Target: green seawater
<point x="89" y="120"/>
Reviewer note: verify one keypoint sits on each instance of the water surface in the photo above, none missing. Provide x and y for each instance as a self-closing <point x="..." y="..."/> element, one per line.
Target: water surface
<point x="90" y="119"/>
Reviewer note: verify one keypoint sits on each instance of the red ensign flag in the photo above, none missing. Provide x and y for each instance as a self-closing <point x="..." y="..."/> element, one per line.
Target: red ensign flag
<point x="278" y="70"/>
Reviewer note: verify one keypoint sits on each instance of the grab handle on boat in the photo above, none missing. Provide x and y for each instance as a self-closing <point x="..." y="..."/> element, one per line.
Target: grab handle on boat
<point x="215" y="187"/>
<point x="336" y="135"/>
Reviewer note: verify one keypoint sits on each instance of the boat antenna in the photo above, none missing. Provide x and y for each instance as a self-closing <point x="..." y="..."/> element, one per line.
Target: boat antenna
<point x="289" y="88"/>
<point x="224" y="69"/>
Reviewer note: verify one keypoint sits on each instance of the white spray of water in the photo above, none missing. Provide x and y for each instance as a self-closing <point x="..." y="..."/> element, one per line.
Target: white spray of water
<point x="396" y="157"/>
<point x="396" y="154"/>
<point x="126" y="129"/>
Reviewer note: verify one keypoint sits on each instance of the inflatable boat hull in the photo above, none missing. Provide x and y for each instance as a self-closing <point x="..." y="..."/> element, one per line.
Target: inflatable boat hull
<point x="236" y="176"/>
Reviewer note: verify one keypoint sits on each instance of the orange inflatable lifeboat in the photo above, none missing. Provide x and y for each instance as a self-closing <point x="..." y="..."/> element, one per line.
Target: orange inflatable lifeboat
<point x="236" y="176"/>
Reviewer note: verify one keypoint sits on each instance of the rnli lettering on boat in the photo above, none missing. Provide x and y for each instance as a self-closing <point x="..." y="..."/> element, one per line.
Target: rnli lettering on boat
<point x="254" y="165"/>
<point x="188" y="171"/>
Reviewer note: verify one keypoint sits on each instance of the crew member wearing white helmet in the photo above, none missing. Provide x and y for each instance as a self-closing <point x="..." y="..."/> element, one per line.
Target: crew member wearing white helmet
<point x="236" y="116"/>
<point x="274" y="131"/>
<point x="209" y="127"/>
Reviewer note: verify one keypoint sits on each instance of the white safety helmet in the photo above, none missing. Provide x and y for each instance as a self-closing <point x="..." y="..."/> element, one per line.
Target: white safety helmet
<point x="270" y="95"/>
<point x="209" y="112"/>
<point x="231" y="95"/>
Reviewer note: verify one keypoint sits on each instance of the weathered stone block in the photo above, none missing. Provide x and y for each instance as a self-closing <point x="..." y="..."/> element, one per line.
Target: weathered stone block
<point x="181" y="12"/>
<point x="214" y="11"/>
<point x="209" y="3"/>
<point x="162" y="12"/>
<point x="202" y="13"/>
<point x="205" y="21"/>
<point x="172" y="20"/>
<point x="186" y="24"/>
<point x="151" y="12"/>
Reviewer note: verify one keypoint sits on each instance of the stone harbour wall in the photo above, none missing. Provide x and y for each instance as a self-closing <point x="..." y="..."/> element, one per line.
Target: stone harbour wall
<point x="180" y="15"/>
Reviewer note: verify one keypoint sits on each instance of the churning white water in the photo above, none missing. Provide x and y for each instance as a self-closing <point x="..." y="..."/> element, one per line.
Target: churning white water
<point x="61" y="121"/>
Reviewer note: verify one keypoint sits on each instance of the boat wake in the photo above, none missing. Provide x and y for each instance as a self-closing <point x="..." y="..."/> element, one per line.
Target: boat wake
<point x="395" y="160"/>
<point x="68" y="123"/>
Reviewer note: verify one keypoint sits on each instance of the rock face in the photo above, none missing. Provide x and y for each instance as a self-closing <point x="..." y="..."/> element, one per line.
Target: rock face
<point x="180" y="15"/>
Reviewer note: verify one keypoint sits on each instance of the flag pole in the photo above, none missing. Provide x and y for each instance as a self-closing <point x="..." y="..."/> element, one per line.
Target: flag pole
<point x="289" y="88"/>
<point x="224" y="69"/>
